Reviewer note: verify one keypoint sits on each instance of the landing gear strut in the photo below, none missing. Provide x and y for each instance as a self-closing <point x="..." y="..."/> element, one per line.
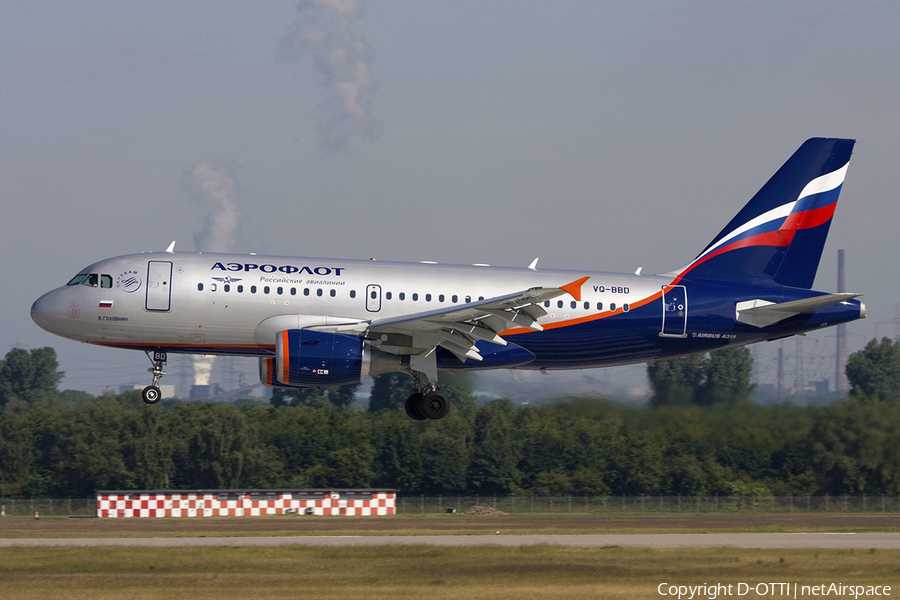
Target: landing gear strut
<point x="151" y="393"/>
<point x="426" y="404"/>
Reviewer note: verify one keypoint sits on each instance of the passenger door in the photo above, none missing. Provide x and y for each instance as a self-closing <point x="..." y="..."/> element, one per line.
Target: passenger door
<point x="159" y="285"/>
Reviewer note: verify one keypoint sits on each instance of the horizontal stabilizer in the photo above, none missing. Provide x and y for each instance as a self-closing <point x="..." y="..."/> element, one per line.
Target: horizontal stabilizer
<point x="762" y="313"/>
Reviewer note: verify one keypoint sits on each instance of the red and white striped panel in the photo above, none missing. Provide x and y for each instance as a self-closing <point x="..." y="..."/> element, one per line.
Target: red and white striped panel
<point x="175" y="504"/>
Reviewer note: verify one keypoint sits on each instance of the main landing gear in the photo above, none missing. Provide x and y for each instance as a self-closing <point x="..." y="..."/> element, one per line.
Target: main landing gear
<point x="426" y="404"/>
<point x="151" y="393"/>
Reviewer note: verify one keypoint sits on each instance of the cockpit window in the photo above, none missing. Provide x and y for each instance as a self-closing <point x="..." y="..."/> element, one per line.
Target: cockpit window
<point x="92" y="280"/>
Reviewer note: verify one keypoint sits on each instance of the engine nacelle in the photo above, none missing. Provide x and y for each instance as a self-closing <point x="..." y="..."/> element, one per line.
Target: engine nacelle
<point x="309" y="358"/>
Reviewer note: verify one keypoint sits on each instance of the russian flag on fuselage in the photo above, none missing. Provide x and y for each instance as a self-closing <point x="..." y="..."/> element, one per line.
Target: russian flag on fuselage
<point x="780" y="233"/>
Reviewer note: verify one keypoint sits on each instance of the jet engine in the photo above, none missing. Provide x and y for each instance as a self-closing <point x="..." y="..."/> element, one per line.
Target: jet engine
<point x="310" y="358"/>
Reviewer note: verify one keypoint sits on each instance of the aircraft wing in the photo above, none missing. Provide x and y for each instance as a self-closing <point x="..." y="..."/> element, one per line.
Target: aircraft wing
<point x="457" y="328"/>
<point x="762" y="313"/>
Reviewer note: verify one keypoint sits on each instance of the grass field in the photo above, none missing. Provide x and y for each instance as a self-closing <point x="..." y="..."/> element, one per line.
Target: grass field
<point x="434" y="573"/>
<point x="419" y="572"/>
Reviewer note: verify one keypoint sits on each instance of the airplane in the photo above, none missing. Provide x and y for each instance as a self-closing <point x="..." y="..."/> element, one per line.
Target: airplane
<point x="319" y="322"/>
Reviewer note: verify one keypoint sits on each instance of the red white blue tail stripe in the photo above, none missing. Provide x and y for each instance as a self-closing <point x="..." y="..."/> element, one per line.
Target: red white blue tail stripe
<point x="780" y="234"/>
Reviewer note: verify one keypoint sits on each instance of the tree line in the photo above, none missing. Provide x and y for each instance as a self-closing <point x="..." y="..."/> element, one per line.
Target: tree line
<point x="69" y="444"/>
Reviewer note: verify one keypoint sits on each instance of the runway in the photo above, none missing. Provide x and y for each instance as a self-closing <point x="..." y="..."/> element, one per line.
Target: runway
<point x="817" y="541"/>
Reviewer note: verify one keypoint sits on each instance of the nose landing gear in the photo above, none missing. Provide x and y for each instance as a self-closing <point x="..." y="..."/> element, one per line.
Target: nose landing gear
<point x="151" y="393"/>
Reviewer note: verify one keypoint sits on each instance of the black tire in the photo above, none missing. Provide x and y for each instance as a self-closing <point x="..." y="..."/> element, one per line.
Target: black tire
<point x="414" y="407"/>
<point x="435" y="405"/>
<point x="151" y="394"/>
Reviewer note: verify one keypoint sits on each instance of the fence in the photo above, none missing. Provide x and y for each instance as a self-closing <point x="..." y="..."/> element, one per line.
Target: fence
<point x="49" y="507"/>
<point x="631" y="505"/>
<point x="600" y="505"/>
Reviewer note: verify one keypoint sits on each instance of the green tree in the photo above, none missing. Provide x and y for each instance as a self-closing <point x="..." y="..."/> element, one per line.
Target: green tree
<point x="29" y="378"/>
<point x="726" y="377"/>
<point x="16" y="454"/>
<point x="496" y="450"/>
<point x="720" y="377"/>
<point x="338" y="395"/>
<point x="82" y="449"/>
<point x="218" y="447"/>
<point x="675" y="381"/>
<point x="874" y="371"/>
<point x="856" y="448"/>
<point x="389" y="391"/>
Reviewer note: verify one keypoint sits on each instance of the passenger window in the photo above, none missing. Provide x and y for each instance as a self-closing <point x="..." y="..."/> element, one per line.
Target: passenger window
<point x="106" y="281"/>
<point x="626" y="308"/>
<point x="427" y="297"/>
<point x="293" y="291"/>
<point x="306" y="291"/>
<point x="252" y="289"/>
<point x="319" y="292"/>
<point x="387" y="295"/>
<point x="574" y="304"/>
<point x="559" y="304"/>
<point x="279" y="291"/>
<point x="468" y="299"/>
<point x="226" y="287"/>
<point x="415" y="297"/>
<point x="199" y="287"/>
<point x="353" y="293"/>
<point x="266" y="290"/>
<point x="612" y="306"/>
<point x="441" y="298"/>
<point x="455" y="298"/>
<point x="332" y="293"/>
<point x="480" y="298"/>
<point x="599" y="306"/>
<point x="240" y="289"/>
<point x="547" y="304"/>
<point x="587" y="306"/>
<point x="402" y="295"/>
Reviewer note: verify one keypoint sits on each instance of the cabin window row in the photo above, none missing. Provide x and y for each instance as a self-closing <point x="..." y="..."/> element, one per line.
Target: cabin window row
<point x="587" y="305"/>
<point x="227" y="287"/>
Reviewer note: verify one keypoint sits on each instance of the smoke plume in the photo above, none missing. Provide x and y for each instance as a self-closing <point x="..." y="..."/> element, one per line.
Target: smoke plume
<point x="341" y="54"/>
<point x="213" y="186"/>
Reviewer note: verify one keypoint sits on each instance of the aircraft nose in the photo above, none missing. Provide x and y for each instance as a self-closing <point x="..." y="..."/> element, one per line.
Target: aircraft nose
<point x="45" y="312"/>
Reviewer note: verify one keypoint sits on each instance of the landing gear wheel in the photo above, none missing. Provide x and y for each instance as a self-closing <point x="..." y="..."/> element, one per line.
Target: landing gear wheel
<point x="414" y="406"/>
<point x="151" y="394"/>
<point x="435" y="405"/>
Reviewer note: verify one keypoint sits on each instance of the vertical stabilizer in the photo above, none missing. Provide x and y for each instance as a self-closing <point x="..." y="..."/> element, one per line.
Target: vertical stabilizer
<point x="780" y="234"/>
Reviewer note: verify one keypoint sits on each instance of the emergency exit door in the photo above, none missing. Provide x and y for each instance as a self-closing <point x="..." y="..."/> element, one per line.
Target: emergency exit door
<point x="159" y="285"/>
<point x="373" y="298"/>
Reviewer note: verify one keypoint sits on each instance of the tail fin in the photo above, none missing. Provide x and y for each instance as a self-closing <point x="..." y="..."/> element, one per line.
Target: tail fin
<point x="779" y="235"/>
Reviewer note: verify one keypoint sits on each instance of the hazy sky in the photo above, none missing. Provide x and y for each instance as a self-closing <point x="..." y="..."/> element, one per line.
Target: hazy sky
<point x="594" y="135"/>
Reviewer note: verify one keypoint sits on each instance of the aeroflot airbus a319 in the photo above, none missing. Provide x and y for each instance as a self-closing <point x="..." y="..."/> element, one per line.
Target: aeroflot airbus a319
<point x="316" y="322"/>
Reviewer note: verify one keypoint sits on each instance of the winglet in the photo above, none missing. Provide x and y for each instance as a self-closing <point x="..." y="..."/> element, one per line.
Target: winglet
<point x="171" y="248"/>
<point x="574" y="288"/>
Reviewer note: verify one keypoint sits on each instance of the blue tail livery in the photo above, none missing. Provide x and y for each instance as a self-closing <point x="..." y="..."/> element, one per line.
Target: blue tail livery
<point x="318" y="322"/>
<point x="780" y="233"/>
